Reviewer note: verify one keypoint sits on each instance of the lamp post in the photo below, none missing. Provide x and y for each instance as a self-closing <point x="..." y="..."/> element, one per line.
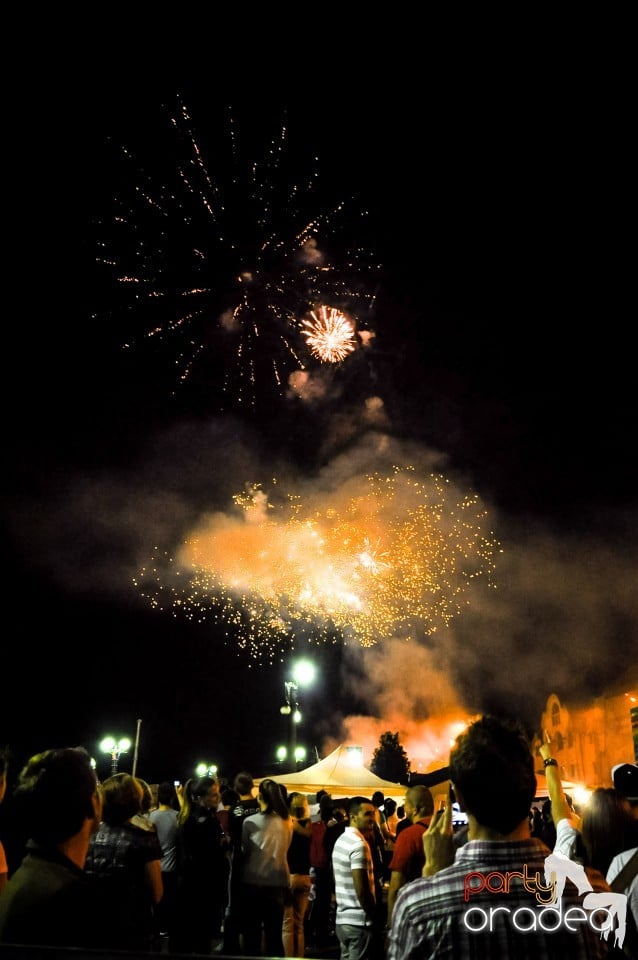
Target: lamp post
<point x="206" y="770"/>
<point x="115" y="748"/>
<point x="282" y="754"/>
<point x="303" y="674"/>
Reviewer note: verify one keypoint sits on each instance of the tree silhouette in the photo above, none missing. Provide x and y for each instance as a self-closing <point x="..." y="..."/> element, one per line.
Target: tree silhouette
<point x="390" y="761"/>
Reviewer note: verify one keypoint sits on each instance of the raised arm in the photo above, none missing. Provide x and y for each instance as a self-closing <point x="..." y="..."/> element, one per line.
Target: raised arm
<point x="561" y="810"/>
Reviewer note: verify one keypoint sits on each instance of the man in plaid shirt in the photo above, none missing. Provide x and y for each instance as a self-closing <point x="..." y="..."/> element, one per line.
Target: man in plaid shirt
<point x="493" y="900"/>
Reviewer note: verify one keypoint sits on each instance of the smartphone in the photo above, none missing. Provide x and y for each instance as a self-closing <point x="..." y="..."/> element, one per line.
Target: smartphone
<point x="176" y="783"/>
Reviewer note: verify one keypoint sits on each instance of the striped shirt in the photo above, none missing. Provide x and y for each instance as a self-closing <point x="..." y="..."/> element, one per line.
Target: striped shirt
<point x="351" y="852"/>
<point x="432" y="915"/>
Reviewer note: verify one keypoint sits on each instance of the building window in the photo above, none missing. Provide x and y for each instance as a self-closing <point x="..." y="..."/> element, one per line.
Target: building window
<point x="555" y="714"/>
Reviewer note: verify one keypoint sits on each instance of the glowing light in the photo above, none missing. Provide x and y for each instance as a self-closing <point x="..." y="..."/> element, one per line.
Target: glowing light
<point x="273" y="574"/>
<point x="206" y="769"/>
<point x="354" y="756"/>
<point x="581" y="795"/>
<point x="304" y="672"/>
<point x="330" y="335"/>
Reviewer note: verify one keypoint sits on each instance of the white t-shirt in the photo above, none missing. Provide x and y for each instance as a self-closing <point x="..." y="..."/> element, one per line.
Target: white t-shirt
<point x="567" y="834"/>
<point x="265" y="840"/>
<point x="351" y="852"/>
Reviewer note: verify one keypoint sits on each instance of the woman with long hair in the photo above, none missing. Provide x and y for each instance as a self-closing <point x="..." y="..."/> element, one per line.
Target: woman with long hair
<point x="266" y="837"/>
<point x="203" y="842"/>
<point x="606" y="839"/>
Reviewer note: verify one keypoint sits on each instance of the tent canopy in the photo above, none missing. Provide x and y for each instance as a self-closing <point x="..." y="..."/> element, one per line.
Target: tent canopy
<point x="342" y="775"/>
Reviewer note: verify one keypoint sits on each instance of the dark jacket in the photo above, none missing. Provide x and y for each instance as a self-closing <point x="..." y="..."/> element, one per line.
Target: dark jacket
<point x="49" y="901"/>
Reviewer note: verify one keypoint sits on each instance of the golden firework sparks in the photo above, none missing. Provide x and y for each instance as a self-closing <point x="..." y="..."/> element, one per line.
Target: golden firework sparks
<point x="330" y="335"/>
<point x="396" y="560"/>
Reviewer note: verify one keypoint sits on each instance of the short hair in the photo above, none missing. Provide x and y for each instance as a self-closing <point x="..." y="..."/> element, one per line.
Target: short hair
<point x="121" y="794"/>
<point x="377" y="798"/>
<point x="326" y="804"/>
<point x="493" y="767"/>
<point x="355" y="804"/>
<point x="244" y="782"/>
<point x="230" y="798"/>
<point x="54" y="794"/>
<point x="422" y="799"/>
<point x="166" y="794"/>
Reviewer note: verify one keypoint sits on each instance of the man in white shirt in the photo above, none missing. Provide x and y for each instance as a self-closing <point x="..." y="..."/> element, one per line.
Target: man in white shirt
<point x="354" y="883"/>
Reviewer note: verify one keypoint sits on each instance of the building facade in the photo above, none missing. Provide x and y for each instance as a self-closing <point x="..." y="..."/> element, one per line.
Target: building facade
<point x="589" y="740"/>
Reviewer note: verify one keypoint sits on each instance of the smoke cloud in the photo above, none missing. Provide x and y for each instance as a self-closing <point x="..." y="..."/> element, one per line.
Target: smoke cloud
<point x="560" y="617"/>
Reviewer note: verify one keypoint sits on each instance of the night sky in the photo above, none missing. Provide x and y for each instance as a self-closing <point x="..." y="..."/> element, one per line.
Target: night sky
<point x="503" y="358"/>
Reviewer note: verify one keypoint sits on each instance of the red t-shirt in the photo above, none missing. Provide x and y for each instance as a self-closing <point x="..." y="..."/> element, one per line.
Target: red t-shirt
<point x="408" y="856"/>
<point x="318" y="854"/>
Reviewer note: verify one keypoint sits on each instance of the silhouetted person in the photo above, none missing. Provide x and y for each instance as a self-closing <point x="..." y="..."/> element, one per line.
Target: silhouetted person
<point x="453" y="910"/>
<point x="164" y="819"/>
<point x="266" y="837"/>
<point x="408" y="858"/>
<point x="245" y="806"/>
<point x="124" y="861"/>
<point x="203" y="844"/>
<point x="50" y="900"/>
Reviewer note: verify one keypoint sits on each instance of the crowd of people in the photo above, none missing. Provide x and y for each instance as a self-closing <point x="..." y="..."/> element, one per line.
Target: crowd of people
<point x="252" y="870"/>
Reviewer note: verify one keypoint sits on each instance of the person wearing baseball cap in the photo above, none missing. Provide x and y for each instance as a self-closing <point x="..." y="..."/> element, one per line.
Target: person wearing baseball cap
<point x="625" y="779"/>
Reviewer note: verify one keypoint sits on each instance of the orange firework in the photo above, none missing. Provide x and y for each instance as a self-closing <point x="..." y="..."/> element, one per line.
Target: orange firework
<point x="330" y="335"/>
<point x="394" y="557"/>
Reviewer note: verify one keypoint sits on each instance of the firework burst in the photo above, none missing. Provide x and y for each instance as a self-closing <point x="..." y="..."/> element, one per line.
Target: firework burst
<point x="394" y="560"/>
<point x="329" y="334"/>
<point x="215" y="270"/>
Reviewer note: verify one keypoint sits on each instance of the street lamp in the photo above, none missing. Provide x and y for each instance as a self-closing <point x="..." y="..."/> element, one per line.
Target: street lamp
<point x="206" y="770"/>
<point x="303" y="675"/>
<point x="282" y="754"/>
<point x="115" y="748"/>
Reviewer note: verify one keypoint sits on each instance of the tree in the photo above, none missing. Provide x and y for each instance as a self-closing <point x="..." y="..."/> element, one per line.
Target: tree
<point x="390" y="761"/>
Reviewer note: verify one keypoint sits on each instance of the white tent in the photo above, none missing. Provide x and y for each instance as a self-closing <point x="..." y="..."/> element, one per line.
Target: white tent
<point x="342" y="774"/>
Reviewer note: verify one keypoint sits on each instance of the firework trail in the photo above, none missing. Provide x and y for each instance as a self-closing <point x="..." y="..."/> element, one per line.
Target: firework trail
<point x="217" y="269"/>
<point x="395" y="559"/>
